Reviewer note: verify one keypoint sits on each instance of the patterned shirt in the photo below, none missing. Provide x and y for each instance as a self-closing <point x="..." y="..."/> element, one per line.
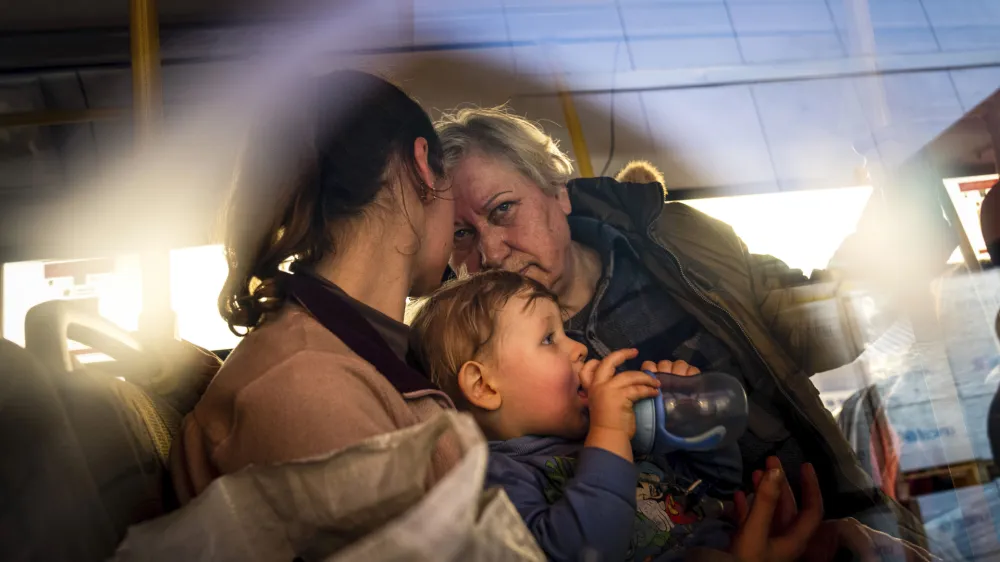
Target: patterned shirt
<point x="580" y="500"/>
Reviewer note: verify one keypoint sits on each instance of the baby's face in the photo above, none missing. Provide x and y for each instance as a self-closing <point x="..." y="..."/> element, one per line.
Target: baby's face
<point x="538" y="368"/>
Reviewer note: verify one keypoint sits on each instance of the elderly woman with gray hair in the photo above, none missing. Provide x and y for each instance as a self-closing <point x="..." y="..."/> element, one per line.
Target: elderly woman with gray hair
<point x="634" y="271"/>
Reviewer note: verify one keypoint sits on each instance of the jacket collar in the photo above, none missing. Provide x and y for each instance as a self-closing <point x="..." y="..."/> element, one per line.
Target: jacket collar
<point x="632" y="208"/>
<point x="601" y="236"/>
<point x="629" y="207"/>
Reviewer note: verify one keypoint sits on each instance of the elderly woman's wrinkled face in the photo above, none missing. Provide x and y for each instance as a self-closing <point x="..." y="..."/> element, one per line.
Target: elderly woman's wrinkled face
<point x="504" y="220"/>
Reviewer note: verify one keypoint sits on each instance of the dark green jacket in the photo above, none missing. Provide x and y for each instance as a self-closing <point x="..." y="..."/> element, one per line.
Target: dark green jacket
<point x="737" y="296"/>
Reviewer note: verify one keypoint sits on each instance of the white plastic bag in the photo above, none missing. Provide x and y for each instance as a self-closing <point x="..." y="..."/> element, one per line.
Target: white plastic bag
<point x="366" y="502"/>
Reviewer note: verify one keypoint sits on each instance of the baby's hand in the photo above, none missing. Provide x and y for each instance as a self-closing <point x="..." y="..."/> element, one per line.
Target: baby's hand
<point x="611" y="398"/>
<point x="680" y="368"/>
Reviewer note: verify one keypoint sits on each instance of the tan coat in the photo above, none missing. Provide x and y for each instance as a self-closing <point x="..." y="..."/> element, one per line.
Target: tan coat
<point x="739" y="298"/>
<point x="292" y="390"/>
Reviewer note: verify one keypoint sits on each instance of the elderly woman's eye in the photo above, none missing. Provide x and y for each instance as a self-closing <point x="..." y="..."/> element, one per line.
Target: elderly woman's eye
<point x="462" y="234"/>
<point x="501" y="210"/>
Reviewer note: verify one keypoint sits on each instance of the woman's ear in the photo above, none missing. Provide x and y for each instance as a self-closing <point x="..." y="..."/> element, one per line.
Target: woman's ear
<point x="423" y="169"/>
<point x="564" y="202"/>
<point x="478" y="387"/>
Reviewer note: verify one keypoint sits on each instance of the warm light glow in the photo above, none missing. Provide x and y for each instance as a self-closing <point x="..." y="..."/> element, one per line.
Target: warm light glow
<point x="802" y="228"/>
<point x="94" y="357"/>
<point x="196" y="277"/>
<point x="119" y="294"/>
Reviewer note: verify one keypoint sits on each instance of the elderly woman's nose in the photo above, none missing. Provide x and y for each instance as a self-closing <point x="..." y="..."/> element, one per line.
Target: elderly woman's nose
<point x="493" y="249"/>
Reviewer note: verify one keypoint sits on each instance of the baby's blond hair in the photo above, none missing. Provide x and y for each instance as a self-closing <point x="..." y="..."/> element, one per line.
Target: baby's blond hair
<point x="456" y="324"/>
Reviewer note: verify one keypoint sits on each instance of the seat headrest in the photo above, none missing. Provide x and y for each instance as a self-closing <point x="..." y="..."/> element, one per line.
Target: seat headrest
<point x="49" y="326"/>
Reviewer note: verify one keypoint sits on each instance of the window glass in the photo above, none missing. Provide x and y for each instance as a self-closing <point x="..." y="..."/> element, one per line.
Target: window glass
<point x="802" y="228"/>
<point x="196" y="277"/>
<point x="111" y="287"/>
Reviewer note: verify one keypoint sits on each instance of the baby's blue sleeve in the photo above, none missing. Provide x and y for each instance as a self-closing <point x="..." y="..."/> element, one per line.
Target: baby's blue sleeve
<point x="595" y="512"/>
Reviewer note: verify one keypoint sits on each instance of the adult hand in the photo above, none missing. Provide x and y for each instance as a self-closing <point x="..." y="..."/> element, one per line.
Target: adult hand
<point x="866" y="543"/>
<point x="680" y="368"/>
<point x="772" y="530"/>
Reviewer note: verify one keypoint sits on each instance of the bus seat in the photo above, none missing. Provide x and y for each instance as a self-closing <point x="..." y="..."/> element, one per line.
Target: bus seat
<point x="49" y="326"/>
<point x="126" y="412"/>
<point x="51" y="508"/>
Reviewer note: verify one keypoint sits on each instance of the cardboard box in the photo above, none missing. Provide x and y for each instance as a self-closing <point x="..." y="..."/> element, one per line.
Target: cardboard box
<point x="931" y="434"/>
<point x="963" y="523"/>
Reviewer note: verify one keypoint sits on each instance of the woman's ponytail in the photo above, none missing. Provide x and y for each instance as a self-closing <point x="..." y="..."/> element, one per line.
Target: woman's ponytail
<point x="264" y="228"/>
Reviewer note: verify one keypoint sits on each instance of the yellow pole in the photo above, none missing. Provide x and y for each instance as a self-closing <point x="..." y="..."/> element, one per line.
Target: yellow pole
<point x="147" y="102"/>
<point x="576" y="134"/>
<point x="157" y="320"/>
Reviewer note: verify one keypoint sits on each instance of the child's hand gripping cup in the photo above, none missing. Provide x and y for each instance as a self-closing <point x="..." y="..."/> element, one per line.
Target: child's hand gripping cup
<point x="693" y="413"/>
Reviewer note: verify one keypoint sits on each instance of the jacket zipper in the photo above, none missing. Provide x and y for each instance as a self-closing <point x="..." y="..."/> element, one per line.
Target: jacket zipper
<point x="697" y="291"/>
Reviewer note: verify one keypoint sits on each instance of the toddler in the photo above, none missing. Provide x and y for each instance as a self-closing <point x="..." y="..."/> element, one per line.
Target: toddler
<point x="559" y="426"/>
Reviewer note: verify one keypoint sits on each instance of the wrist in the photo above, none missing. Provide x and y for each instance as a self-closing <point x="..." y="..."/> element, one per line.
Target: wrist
<point x="613" y="440"/>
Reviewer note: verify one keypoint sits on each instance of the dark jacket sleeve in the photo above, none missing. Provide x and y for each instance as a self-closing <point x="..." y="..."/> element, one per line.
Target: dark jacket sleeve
<point x="595" y="513"/>
<point x="720" y="470"/>
<point x="784" y="297"/>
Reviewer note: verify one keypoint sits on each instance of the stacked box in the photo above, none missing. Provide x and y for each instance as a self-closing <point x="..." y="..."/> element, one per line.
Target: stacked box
<point x="937" y="421"/>
<point x="931" y="434"/>
<point x="963" y="524"/>
<point x="936" y="394"/>
<point x="968" y="310"/>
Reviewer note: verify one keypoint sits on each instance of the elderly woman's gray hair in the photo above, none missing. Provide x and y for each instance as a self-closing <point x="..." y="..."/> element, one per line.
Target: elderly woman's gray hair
<point x="497" y="133"/>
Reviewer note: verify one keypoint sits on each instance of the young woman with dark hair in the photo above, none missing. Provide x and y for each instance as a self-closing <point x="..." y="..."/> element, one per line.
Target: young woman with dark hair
<point x="337" y="215"/>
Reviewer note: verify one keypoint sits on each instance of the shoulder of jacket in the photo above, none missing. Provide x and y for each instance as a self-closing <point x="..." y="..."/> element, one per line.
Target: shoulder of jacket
<point x="309" y="363"/>
<point x="686" y="217"/>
